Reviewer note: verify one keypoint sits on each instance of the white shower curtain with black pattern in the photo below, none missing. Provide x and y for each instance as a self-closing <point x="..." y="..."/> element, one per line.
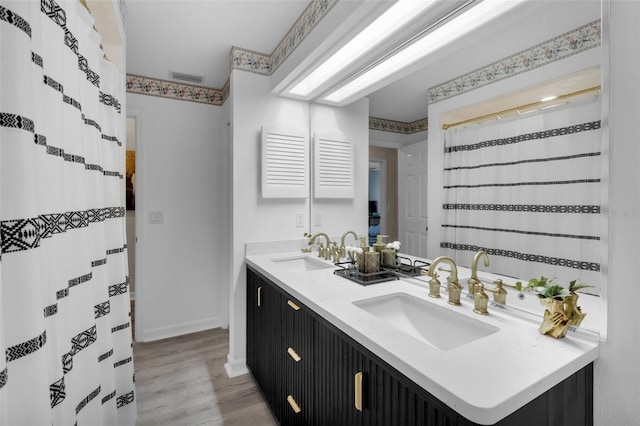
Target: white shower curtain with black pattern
<point x="527" y="190"/>
<point x="64" y="299"/>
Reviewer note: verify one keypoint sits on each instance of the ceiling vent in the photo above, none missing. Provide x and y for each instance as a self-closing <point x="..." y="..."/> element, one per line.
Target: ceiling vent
<point x="194" y="79"/>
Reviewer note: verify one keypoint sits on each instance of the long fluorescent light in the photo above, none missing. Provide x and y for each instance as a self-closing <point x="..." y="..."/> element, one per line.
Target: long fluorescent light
<point x="394" y="18"/>
<point x="461" y="25"/>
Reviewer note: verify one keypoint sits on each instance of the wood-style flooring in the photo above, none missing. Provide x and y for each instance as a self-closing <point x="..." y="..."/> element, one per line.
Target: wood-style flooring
<point x="178" y="380"/>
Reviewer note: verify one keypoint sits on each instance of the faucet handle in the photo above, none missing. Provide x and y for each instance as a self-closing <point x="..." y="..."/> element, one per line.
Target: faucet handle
<point x="480" y="300"/>
<point x="434" y="287"/>
<point x="499" y="293"/>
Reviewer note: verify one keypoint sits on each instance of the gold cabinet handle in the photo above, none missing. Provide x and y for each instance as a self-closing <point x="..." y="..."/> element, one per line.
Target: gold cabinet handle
<point x="293" y="305"/>
<point x="293" y="355"/>
<point x="259" y="296"/>
<point x="358" y="388"/>
<point x="292" y="402"/>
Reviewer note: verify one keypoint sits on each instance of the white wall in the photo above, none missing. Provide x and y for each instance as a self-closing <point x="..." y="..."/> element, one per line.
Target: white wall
<point x="617" y="371"/>
<point x="256" y="219"/>
<point x="340" y="215"/>
<point x="182" y="167"/>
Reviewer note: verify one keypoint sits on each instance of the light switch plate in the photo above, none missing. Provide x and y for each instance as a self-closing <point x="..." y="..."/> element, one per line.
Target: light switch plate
<point x="299" y="220"/>
<point x="156" y="218"/>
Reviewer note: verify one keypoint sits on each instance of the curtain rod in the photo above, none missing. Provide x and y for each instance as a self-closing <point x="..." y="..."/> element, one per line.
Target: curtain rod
<point x="518" y="108"/>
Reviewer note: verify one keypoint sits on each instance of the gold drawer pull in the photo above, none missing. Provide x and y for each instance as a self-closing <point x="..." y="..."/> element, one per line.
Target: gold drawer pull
<point x="293" y="305"/>
<point x="292" y="402"/>
<point x="293" y="355"/>
<point x="259" y="296"/>
<point x="358" y="387"/>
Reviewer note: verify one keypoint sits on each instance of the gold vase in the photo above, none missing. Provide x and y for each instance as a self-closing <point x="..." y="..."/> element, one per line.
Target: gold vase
<point x="573" y="311"/>
<point x="555" y="322"/>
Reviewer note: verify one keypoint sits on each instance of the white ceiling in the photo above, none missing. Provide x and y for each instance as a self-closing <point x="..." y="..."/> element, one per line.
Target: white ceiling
<point x="195" y="37"/>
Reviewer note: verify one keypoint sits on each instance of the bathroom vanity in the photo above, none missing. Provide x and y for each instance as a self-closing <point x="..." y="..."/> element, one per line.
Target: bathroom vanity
<point x="327" y="351"/>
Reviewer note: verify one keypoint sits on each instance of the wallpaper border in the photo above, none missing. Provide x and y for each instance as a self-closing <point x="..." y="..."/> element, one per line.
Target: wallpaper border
<point x="570" y="43"/>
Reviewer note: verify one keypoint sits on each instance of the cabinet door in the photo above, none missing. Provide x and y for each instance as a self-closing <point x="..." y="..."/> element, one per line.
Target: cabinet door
<point x="264" y="335"/>
<point x="337" y="362"/>
<point x="297" y="351"/>
<point x="395" y="400"/>
<point x="385" y="397"/>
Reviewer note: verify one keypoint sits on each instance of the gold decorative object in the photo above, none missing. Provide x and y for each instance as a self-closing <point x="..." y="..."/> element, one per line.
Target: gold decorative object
<point x="555" y="322"/>
<point x="560" y="303"/>
<point x="573" y="311"/>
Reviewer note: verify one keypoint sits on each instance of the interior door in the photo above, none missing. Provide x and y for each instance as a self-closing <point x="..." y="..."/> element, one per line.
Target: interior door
<point x="412" y="198"/>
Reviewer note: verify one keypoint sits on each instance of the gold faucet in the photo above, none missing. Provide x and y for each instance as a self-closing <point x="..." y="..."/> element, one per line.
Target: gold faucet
<point x="473" y="282"/>
<point x="322" y="252"/>
<point x="453" y="287"/>
<point x="499" y="293"/>
<point x="342" y="246"/>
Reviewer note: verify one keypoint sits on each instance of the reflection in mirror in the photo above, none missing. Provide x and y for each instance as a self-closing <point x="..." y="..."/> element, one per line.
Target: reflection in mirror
<point x="511" y="63"/>
<point x="377" y="199"/>
<point x="524" y="184"/>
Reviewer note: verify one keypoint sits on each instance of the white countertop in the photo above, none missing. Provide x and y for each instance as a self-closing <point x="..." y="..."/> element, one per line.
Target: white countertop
<point x="484" y="380"/>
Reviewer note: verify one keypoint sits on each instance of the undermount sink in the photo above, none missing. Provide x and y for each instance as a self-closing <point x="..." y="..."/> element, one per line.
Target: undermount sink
<point x="302" y="263"/>
<point x="435" y="325"/>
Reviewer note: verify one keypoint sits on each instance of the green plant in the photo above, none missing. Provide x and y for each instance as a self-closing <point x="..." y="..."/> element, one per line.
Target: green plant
<point x="546" y="288"/>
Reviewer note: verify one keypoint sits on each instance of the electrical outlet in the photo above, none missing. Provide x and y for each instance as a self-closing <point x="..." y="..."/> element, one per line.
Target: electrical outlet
<point x="299" y="220"/>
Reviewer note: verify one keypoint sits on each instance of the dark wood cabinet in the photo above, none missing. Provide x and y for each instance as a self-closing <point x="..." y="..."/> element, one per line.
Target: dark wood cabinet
<point x="295" y="354"/>
<point x="264" y="332"/>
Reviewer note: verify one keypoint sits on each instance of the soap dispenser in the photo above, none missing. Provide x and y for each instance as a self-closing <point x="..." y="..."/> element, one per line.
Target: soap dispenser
<point x="379" y="245"/>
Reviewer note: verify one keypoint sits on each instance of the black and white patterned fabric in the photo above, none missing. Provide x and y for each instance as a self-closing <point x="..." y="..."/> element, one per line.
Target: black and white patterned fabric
<point x="64" y="289"/>
<point x="527" y="191"/>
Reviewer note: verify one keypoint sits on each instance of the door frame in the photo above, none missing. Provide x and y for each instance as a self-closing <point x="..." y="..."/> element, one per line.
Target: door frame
<point x="382" y="207"/>
<point x="138" y="243"/>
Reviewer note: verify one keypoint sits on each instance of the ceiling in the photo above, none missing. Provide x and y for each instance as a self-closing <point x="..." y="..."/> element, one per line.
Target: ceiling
<point x="195" y="37"/>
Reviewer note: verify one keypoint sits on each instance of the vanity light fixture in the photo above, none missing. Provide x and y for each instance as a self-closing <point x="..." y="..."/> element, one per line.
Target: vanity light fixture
<point x="457" y="27"/>
<point x="548" y="98"/>
<point x="393" y="19"/>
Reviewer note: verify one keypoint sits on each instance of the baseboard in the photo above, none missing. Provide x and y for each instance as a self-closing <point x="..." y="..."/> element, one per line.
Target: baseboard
<point x="236" y="368"/>
<point x="179" y="329"/>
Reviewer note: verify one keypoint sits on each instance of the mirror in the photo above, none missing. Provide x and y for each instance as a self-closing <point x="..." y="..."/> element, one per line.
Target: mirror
<point x="524" y="29"/>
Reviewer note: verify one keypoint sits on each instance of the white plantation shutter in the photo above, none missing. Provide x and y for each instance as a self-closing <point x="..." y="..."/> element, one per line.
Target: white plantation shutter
<point x="333" y="166"/>
<point x="285" y="162"/>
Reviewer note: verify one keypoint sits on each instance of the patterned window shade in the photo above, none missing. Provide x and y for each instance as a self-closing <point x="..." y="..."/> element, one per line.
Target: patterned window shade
<point x="528" y="192"/>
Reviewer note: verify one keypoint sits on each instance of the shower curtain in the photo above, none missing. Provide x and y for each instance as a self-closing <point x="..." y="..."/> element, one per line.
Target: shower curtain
<point x="527" y="190"/>
<point x="64" y="299"/>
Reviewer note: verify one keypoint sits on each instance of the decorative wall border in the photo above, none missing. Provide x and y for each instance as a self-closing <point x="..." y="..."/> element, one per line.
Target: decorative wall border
<point x="398" y="126"/>
<point x="174" y="90"/>
<point x="248" y="60"/>
<point x="312" y="15"/>
<point x="570" y="43"/>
